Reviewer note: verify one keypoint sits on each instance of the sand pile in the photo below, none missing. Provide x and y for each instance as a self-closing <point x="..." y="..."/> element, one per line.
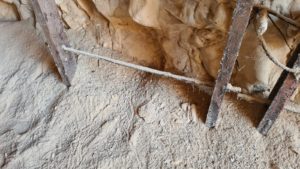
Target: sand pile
<point x="115" y="117"/>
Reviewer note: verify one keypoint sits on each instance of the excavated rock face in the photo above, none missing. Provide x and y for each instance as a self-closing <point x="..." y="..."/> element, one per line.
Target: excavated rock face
<point x="256" y="72"/>
<point x="8" y="12"/>
<point x="207" y="23"/>
<point x="186" y="36"/>
<point x="192" y="35"/>
<point x="19" y="8"/>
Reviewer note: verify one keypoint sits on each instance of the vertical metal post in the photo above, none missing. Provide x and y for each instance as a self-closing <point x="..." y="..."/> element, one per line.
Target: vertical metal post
<point x="47" y="15"/>
<point x="283" y="90"/>
<point x="240" y="20"/>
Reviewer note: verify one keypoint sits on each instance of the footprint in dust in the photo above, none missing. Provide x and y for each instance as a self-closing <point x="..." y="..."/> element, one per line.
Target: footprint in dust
<point x="18" y="126"/>
<point x="22" y="127"/>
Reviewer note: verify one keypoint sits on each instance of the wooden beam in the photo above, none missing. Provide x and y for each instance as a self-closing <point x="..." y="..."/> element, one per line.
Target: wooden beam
<point x="240" y="19"/>
<point x="281" y="93"/>
<point x="47" y="15"/>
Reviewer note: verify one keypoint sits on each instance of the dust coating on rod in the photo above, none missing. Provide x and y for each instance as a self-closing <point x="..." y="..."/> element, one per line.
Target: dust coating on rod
<point x="139" y="67"/>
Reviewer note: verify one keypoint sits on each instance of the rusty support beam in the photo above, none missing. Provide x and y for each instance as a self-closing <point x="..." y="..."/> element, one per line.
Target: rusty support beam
<point x="47" y="15"/>
<point x="283" y="90"/>
<point x="240" y="19"/>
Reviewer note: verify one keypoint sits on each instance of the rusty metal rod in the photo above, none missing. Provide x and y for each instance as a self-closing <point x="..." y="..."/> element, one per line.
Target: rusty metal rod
<point x="240" y="19"/>
<point x="47" y="15"/>
<point x="281" y="93"/>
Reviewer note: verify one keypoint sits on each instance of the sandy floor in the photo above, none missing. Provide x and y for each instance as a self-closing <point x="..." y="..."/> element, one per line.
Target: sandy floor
<point x="115" y="117"/>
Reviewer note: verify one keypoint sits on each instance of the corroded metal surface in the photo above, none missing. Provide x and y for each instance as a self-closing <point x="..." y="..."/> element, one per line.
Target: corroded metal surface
<point x="47" y="15"/>
<point x="283" y="90"/>
<point x="239" y="24"/>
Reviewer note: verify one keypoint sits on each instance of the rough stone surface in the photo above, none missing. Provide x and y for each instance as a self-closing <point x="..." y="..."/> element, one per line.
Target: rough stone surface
<point x="115" y="117"/>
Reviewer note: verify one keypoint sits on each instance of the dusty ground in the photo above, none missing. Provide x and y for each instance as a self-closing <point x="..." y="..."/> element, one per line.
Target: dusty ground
<point x="115" y="117"/>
